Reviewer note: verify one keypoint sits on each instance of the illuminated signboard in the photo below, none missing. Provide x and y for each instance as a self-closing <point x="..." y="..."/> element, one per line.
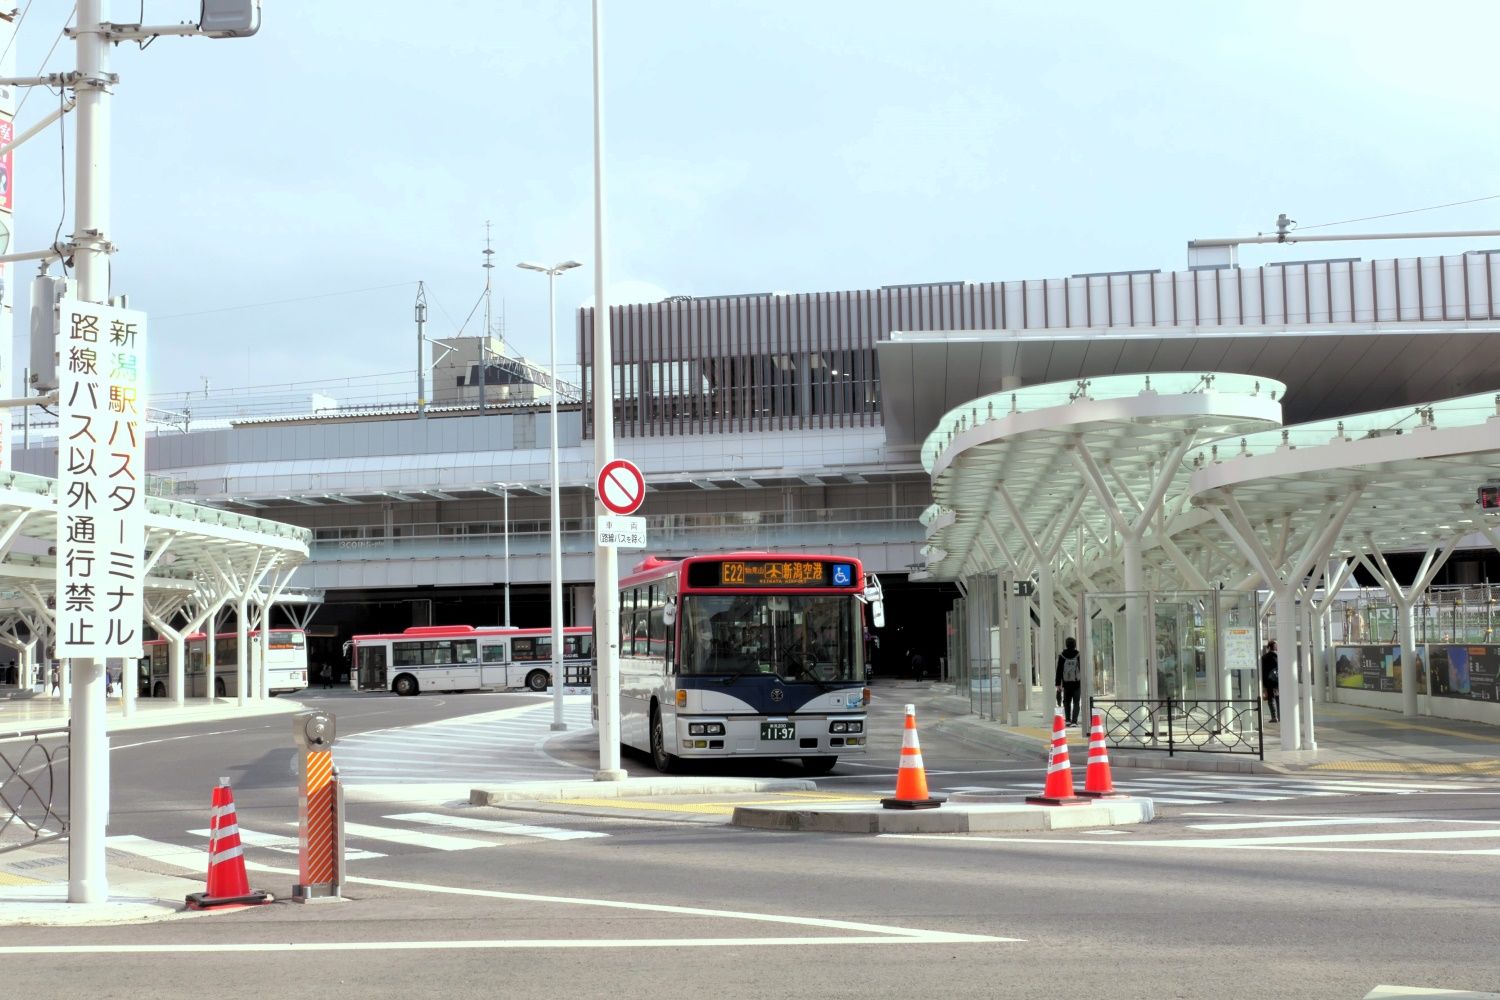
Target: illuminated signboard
<point x="1489" y="496"/>
<point x="774" y="573"/>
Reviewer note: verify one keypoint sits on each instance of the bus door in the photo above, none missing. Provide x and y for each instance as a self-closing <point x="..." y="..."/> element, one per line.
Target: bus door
<point x="196" y="678"/>
<point x="494" y="663"/>
<point x="370" y="663"/>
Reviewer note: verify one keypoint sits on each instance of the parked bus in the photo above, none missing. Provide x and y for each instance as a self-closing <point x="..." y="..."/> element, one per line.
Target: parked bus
<point x="286" y="664"/>
<point x="752" y="654"/>
<point x="465" y="658"/>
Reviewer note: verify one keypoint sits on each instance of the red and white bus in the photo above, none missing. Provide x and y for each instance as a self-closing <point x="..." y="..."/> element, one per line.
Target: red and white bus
<point x="465" y="658"/>
<point x="286" y="664"/>
<point x="750" y="654"/>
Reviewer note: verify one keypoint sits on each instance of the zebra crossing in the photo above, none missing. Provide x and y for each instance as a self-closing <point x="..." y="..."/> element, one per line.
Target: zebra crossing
<point x="494" y="747"/>
<point x="430" y="831"/>
<point x="1214" y="789"/>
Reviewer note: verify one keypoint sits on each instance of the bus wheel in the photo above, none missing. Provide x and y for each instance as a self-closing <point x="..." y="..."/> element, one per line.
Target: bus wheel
<point x="405" y="685"/>
<point x="818" y="765"/>
<point x="219" y="690"/>
<point x="537" y="680"/>
<point x="159" y="691"/>
<point x="665" y="762"/>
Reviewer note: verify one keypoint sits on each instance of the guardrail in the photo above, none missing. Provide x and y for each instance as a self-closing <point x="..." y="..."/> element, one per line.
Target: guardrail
<point x="33" y="787"/>
<point x="1182" y="726"/>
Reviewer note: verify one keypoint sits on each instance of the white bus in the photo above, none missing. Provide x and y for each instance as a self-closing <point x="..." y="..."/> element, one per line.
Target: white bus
<point x="752" y="654"/>
<point x="465" y="658"/>
<point x="286" y="664"/>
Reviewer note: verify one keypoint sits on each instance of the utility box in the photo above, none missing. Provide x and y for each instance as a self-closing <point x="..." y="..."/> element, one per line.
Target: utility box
<point x="227" y="18"/>
<point x="46" y="291"/>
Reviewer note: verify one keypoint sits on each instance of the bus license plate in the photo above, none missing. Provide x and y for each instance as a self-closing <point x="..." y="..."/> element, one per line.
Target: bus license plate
<point x="777" y="731"/>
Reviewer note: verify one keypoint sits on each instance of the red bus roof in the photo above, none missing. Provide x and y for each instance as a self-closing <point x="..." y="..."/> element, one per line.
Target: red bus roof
<point x="470" y="631"/>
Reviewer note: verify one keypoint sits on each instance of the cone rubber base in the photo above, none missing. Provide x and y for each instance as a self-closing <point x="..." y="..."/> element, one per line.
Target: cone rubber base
<point x="1047" y="800"/>
<point x="203" y="901"/>
<point x="1104" y="795"/>
<point x="911" y="803"/>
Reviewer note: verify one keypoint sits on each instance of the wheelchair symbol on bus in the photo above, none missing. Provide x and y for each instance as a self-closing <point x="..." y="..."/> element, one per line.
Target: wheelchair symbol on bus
<point x="843" y="574"/>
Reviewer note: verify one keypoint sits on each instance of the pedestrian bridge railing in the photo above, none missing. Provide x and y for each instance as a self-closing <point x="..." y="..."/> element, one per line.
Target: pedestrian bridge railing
<point x="33" y="787"/>
<point x="1182" y="726"/>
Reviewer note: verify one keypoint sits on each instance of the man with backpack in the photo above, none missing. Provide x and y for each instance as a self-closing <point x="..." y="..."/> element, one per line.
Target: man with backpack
<point x="1070" y="679"/>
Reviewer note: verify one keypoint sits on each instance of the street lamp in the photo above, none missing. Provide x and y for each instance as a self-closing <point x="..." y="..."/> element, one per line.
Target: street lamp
<point x="557" y="639"/>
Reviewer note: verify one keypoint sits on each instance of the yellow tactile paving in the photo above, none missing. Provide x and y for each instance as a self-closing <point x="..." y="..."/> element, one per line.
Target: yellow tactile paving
<point x="1471" y="768"/>
<point x="719" y="808"/>
<point x="7" y="878"/>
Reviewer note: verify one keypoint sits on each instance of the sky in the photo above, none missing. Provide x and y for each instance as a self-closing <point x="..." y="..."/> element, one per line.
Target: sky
<point x="276" y="199"/>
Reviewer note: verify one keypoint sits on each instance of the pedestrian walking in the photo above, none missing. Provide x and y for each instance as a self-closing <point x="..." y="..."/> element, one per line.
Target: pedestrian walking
<point x="1069" y="679"/>
<point x="1270" y="680"/>
<point x="109" y="683"/>
<point x="326" y="674"/>
<point x="56" y="681"/>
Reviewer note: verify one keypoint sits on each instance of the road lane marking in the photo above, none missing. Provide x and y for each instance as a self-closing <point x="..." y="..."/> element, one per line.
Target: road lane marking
<point x="286" y="845"/>
<point x="1315" y="842"/>
<point x="1276" y="824"/>
<point x="412" y="838"/>
<point x="496" y="826"/>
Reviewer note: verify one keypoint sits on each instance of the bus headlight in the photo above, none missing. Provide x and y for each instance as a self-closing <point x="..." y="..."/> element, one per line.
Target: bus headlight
<point x="705" y="729"/>
<point x="846" y="727"/>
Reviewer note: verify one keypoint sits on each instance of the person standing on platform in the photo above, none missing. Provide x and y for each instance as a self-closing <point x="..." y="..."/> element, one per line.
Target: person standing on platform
<point x="1070" y="679"/>
<point x="1270" y="679"/>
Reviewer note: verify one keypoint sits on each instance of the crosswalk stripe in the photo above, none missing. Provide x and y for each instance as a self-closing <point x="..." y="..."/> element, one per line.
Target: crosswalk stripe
<point x="286" y="845"/>
<point x="496" y="826"/>
<point x="413" y="838"/>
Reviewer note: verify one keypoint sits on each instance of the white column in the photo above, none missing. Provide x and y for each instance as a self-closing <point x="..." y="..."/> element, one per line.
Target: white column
<point x="176" y="655"/>
<point x="606" y="558"/>
<point x="1135" y="680"/>
<point x="1406" y="626"/>
<point x="558" y="725"/>
<point x="88" y="751"/>
<point x="1307" y="661"/>
<point x="242" y="672"/>
<point x="1286" y="659"/>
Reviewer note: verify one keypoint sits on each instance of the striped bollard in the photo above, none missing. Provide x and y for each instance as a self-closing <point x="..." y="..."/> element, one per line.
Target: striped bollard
<point x="320" y="812"/>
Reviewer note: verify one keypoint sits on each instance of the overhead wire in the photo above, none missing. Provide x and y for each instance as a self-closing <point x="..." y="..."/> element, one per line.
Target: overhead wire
<point x="1409" y="211"/>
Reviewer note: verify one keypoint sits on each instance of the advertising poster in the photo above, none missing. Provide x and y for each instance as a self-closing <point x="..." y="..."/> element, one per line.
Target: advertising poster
<point x="1469" y="672"/>
<point x="1367" y="668"/>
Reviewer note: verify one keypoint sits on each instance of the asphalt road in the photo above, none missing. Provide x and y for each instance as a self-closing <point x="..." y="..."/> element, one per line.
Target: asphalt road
<point x="1245" y="888"/>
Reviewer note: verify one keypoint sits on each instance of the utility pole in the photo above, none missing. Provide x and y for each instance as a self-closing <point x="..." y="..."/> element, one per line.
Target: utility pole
<point x="484" y="339"/>
<point x="421" y="352"/>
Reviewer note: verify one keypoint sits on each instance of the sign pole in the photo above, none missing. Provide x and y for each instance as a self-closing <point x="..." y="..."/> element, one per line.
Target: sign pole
<point x="88" y="879"/>
<point x="606" y="558"/>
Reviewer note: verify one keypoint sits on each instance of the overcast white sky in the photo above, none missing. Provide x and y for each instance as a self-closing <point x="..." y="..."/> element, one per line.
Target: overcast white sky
<point x="354" y="147"/>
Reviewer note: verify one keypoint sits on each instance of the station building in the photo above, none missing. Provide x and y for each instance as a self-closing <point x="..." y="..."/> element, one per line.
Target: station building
<point x="818" y="422"/>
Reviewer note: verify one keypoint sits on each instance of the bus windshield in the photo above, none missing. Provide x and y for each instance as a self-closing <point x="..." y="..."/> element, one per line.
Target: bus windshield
<point x="795" y="636"/>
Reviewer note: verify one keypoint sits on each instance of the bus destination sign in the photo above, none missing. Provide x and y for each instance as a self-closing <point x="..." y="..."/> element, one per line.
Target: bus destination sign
<point x="783" y="573"/>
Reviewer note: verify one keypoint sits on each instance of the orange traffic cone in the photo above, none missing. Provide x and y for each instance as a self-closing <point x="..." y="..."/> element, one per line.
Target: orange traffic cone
<point x="911" y="778"/>
<point x="227" y="884"/>
<point x="1097" y="783"/>
<point x="1058" y="791"/>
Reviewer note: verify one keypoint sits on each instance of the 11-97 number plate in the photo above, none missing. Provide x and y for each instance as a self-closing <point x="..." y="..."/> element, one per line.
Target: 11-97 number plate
<point x="777" y="731"/>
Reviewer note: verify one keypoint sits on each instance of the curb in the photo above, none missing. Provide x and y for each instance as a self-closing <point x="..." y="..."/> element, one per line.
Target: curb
<point x="554" y="791"/>
<point x="948" y="819"/>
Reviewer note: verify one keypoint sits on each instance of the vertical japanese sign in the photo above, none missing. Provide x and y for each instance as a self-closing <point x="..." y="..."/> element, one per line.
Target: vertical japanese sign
<point x="7" y="200"/>
<point x="101" y="479"/>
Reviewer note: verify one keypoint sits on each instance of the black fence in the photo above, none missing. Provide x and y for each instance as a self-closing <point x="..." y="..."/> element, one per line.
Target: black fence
<point x="33" y="787"/>
<point x="1181" y="726"/>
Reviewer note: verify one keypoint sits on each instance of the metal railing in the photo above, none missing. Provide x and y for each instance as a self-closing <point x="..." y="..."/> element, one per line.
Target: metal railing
<point x="985" y="694"/>
<point x="33" y="787"/>
<point x="1182" y="726"/>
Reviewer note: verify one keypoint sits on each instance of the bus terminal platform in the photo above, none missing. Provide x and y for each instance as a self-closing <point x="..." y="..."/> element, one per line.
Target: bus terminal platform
<point x="1350" y="739"/>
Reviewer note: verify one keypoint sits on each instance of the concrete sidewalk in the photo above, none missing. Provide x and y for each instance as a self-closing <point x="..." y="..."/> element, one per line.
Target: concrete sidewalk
<point x="28" y="715"/>
<point x="1350" y="739"/>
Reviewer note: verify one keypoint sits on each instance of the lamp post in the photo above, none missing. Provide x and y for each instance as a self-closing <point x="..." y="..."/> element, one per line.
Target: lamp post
<point x="557" y="637"/>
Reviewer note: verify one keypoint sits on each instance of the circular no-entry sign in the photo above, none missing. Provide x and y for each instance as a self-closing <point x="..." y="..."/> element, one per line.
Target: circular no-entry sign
<point x="620" y="487"/>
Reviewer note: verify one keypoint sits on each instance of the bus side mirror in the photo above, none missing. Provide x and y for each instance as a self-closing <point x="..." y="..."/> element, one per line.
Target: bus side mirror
<point x="877" y="614"/>
<point x="669" y="613"/>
